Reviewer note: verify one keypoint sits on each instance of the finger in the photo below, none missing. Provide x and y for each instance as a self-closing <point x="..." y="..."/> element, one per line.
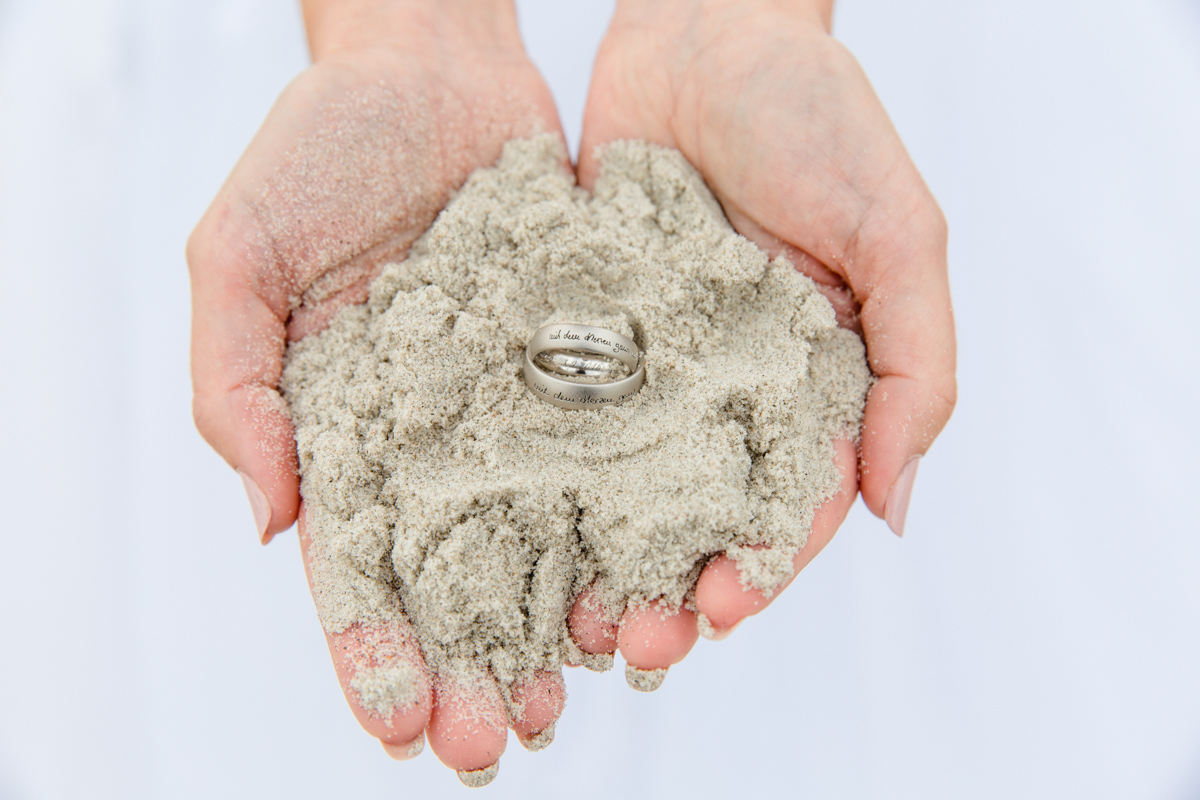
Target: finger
<point x="587" y="624"/>
<point x="238" y="340"/>
<point x="536" y="705"/>
<point x="468" y="728"/>
<point x="720" y="595"/>
<point x="385" y="682"/>
<point x="908" y="327"/>
<point x="653" y="637"/>
<point x="382" y="674"/>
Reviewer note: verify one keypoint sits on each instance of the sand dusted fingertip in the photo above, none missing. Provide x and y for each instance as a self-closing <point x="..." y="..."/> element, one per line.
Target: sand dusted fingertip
<point x="385" y="690"/>
<point x="533" y="708"/>
<point x="478" y="778"/>
<point x="597" y="662"/>
<point x="538" y="741"/>
<point x="644" y="680"/>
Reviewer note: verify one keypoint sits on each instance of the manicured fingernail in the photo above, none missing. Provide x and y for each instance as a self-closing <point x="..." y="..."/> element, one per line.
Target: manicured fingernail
<point x="644" y="680"/>
<point x="476" y="778"/>
<point x="403" y="752"/>
<point x="538" y="741"/>
<point x="258" y="504"/>
<point x="896" y="507"/>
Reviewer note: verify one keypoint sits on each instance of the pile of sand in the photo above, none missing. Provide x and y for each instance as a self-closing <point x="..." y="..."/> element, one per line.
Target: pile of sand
<point x="439" y="487"/>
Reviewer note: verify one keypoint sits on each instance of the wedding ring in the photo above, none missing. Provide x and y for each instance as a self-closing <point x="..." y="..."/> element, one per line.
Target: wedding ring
<point x="582" y="366"/>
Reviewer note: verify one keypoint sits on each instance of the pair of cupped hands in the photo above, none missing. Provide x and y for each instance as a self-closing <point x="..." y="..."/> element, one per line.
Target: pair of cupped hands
<point x="405" y="98"/>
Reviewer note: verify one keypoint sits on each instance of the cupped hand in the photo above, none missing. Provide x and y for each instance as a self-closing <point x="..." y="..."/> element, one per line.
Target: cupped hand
<point x="403" y="101"/>
<point x="786" y="130"/>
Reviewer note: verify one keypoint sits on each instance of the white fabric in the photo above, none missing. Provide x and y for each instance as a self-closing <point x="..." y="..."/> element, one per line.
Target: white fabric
<point x="1037" y="634"/>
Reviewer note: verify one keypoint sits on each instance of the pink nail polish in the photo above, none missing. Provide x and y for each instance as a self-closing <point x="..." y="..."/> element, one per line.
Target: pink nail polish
<point x="258" y="504"/>
<point x="895" y="509"/>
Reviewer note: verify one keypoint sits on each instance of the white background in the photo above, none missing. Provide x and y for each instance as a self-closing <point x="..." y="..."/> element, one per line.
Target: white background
<point x="1036" y="635"/>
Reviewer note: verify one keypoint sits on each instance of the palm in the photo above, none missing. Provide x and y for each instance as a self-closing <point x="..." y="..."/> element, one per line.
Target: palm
<point x="355" y="160"/>
<point x="781" y="122"/>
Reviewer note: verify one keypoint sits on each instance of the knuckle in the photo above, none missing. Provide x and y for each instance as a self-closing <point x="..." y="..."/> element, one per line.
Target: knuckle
<point x="209" y="242"/>
<point x="945" y="395"/>
<point x="933" y="227"/>
<point x="205" y="418"/>
<point x="195" y="252"/>
<point x="939" y="226"/>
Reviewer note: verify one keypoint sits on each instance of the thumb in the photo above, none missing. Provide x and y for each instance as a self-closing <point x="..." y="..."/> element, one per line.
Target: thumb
<point x="238" y="341"/>
<point x="898" y="272"/>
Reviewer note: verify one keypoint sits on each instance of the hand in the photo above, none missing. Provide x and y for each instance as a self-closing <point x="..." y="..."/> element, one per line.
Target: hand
<point x="404" y="100"/>
<point x="785" y="128"/>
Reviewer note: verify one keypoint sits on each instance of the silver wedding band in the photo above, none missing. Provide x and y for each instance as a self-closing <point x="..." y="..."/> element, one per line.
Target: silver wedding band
<point x="581" y="368"/>
<point x="560" y="367"/>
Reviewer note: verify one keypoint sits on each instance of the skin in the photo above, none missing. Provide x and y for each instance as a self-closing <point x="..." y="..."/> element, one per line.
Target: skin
<point x="757" y="95"/>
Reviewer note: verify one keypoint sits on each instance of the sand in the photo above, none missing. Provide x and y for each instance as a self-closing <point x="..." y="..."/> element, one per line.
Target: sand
<point x="439" y="487"/>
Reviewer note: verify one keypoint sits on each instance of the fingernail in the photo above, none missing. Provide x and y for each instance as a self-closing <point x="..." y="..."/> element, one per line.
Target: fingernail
<point x="712" y="632"/>
<point x="538" y="741"/>
<point x="403" y="752"/>
<point x="258" y="504"/>
<point x="477" y="778"/>
<point x="644" y="680"/>
<point x="718" y="634"/>
<point x="895" y="509"/>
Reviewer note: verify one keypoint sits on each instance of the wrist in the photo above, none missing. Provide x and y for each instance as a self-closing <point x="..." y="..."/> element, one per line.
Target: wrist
<point x="336" y="26"/>
<point x="701" y="16"/>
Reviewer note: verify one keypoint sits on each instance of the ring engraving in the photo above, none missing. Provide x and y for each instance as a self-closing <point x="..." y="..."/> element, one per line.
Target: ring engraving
<point x="582" y="366"/>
